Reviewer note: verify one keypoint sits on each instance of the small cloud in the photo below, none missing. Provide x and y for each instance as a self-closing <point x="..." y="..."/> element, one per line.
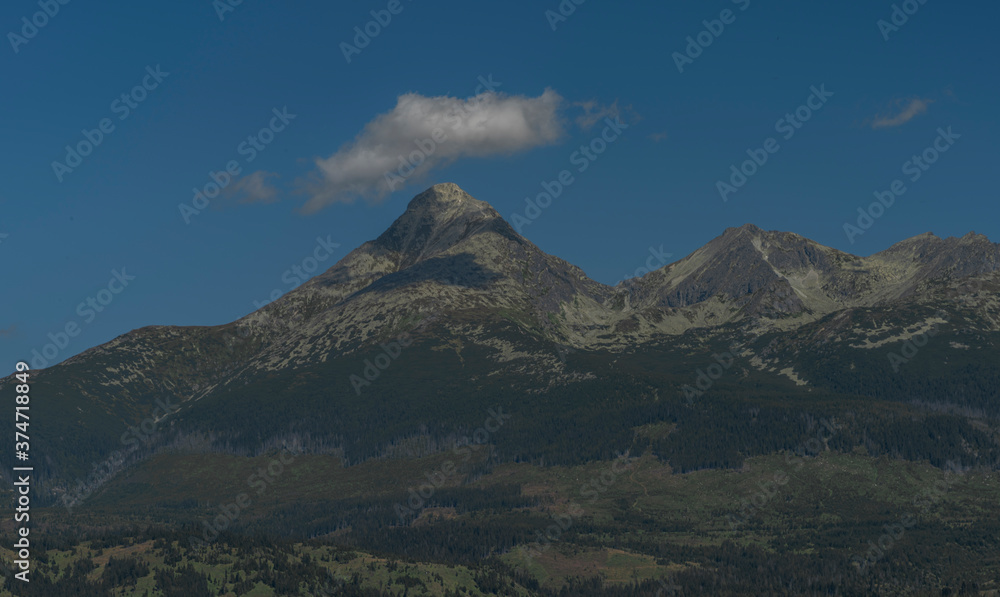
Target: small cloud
<point x="11" y="331"/>
<point x="912" y="108"/>
<point x="486" y="125"/>
<point x="657" y="137"/>
<point x="594" y="112"/>
<point x="254" y="188"/>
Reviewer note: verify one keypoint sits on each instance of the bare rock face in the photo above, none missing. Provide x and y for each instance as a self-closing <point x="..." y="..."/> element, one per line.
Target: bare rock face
<point x="927" y="257"/>
<point x="762" y="275"/>
<point x="437" y="220"/>
<point x="741" y="266"/>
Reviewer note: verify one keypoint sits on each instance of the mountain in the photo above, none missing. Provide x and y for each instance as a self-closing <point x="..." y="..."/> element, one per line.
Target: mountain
<point x="448" y="255"/>
<point x="750" y="273"/>
<point x="481" y="301"/>
<point x="749" y="419"/>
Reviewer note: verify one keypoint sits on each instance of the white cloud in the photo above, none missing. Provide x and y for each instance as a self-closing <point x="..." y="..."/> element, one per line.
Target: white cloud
<point x="254" y="188"/>
<point x="914" y="108"/>
<point x="488" y="124"/>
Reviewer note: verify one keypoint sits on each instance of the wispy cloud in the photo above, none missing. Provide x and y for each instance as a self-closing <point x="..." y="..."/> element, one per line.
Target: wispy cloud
<point x="488" y="124"/>
<point x="253" y="188"/>
<point x="594" y="112"/>
<point x="907" y="110"/>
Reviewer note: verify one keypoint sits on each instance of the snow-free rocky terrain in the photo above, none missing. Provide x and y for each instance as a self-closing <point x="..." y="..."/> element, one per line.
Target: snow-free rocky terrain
<point x="484" y="307"/>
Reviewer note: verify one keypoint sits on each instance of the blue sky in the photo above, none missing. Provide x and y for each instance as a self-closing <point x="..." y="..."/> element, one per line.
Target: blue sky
<point x="655" y="185"/>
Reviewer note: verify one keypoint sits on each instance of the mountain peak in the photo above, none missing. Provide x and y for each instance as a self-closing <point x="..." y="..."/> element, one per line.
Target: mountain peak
<point x="445" y="202"/>
<point x="973" y="237"/>
<point x="748" y="228"/>
<point x="445" y="195"/>
<point x="437" y="219"/>
<point x="920" y="243"/>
